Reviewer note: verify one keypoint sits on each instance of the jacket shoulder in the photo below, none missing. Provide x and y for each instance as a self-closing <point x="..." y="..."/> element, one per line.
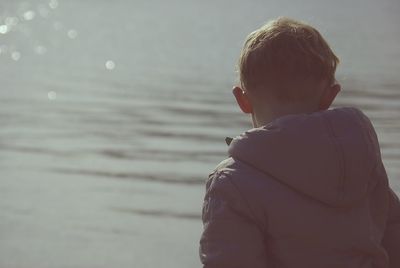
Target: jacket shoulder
<point x="235" y="168"/>
<point x="237" y="171"/>
<point x="239" y="184"/>
<point x="232" y="236"/>
<point x="218" y="173"/>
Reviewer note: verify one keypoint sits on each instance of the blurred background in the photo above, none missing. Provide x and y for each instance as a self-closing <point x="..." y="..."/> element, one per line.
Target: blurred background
<point x="113" y="113"/>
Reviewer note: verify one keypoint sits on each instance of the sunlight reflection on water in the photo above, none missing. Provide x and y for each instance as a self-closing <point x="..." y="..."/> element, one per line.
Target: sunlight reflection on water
<point x="29" y="15"/>
<point x="15" y="55"/>
<point x="52" y="95"/>
<point x="72" y="33"/>
<point x="3" y="29"/>
<point x="110" y="65"/>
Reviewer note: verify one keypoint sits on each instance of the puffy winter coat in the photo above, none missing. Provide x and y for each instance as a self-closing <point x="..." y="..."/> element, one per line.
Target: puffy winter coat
<point x="304" y="191"/>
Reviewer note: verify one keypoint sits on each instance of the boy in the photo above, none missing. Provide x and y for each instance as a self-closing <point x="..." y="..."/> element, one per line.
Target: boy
<point x="306" y="187"/>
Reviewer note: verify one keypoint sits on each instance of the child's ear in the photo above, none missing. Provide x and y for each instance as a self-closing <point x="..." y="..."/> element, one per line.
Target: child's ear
<point x="242" y="99"/>
<point x="329" y="96"/>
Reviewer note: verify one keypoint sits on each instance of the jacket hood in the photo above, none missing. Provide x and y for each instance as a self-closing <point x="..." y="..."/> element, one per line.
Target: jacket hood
<point x="328" y="155"/>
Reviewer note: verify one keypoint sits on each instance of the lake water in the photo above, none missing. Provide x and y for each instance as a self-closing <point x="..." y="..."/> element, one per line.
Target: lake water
<point x="114" y="112"/>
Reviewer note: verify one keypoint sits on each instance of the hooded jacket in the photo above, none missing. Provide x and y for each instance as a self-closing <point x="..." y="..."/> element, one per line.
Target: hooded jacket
<point x="306" y="190"/>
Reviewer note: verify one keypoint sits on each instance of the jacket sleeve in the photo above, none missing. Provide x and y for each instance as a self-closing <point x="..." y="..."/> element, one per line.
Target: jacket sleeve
<point x="391" y="239"/>
<point x="231" y="238"/>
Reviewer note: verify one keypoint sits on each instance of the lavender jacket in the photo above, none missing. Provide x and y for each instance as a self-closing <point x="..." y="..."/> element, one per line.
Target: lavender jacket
<point x="306" y="190"/>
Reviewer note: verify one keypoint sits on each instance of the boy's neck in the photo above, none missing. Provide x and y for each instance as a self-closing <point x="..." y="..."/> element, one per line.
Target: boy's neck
<point x="262" y="117"/>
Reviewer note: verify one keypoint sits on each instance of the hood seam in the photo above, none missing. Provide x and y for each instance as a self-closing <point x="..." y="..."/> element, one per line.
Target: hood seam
<point x="273" y="177"/>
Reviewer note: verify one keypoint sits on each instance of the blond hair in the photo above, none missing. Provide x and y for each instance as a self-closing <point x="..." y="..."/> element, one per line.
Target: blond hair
<point x="286" y="58"/>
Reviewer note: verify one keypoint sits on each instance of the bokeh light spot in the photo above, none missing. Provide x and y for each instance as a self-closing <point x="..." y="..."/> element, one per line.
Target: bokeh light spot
<point x="3" y="29"/>
<point x="11" y="21"/>
<point x="110" y="65"/>
<point x="52" y="95"/>
<point x="16" y="55"/>
<point x="53" y="4"/>
<point x="29" y="15"/>
<point x="72" y="34"/>
<point x="40" y="50"/>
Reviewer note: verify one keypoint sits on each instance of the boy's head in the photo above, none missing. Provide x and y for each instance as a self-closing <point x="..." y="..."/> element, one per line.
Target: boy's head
<point x="286" y="63"/>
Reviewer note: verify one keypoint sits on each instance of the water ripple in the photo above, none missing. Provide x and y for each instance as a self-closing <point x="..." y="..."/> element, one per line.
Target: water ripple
<point x="159" y="213"/>
<point x="178" y="178"/>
